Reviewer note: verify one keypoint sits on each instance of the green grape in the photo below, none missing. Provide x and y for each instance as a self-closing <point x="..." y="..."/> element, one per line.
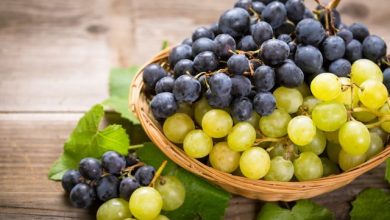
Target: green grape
<point x="255" y="163"/>
<point x="308" y="166"/>
<point x="348" y="161"/>
<point x="241" y="137"/>
<point x="197" y="144"/>
<point x="317" y="145"/>
<point x="177" y="126"/>
<point x="332" y="136"/>
<point x="349" y="95"/>
<point x="376" y="145"/>
<point x="223" y="158"/>
<point x="253" y="120"/>
<point x="288" y="150"/>
<point x="201" y="107"/>
<point x="301" y="130"/>
<point x="217" y="123"/>
<point x="304" y="89"/>
<point x="275" y="124"/>
<point x="114" y="209"/>
<point x="309" y="103"/>
<point x="354" y="138"/>
<point x="326" y="86"/>
<point x="288" y="99"/>
<point x="161" y="217"/>
<point x="385" y="110"/>
<point x="329" y="167"/>
<point x="186" y="108"/>
<point x="333" y="151"/>
<point x="280" y="170"/>
<point x="363" y="70"/>
<point x="364" y="116"/>
<point x="172" y="192"/>
<point x="373" y="94"/>
<point x="379" y="131"/>
<point x="145" y="203"/>
<point x="329" y="116"/>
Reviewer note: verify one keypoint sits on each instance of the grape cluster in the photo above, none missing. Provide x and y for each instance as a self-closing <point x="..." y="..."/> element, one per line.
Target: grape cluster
<point x="275" y="91"/>
<point x="124" y="185"/>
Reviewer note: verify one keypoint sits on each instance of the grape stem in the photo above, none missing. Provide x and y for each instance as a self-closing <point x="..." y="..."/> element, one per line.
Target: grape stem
<point x="158" y="173"/>
<point x="378" y="123"/>
<point x="364" y="109"/>
<point x="127" y="171"/>
<point x="137" y="146"/>
<point x="268" y="139"/>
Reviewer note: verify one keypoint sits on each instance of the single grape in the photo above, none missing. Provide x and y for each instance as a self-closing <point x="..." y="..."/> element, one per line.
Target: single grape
<point x="285" y="37"/>
<point x="160" y="217"/>
<point x="373" y="94"/>
<point x="340" y="67"/>
<point x="349" y="94"/>
<point x="264" y="78"/>
<point x="114" y="209"/>
<point x="217" y="123"/>
<point x="310" y="32"/>
<point x="201" y="45"/>
<point x="309" y="59"/>
<point x="241" y="137"/>
<point x="363" y="70"/>
<point x="354" y="138"/>
<point x="224" y="44"/>
<point x="329" y="116"/>
<point x="301" y="130"/>
<point x="172" y="192"/>
<point x="386" y="78"/>
<point x="333" y="48"/>
<point x="381" y="133"/>
<point x="234" y="22"/>
<point x="70" y="179"/>
<point x="201" y="107"/>
<point x="275" y="14"/>
<point x="146" y="203"/>
<point x="253" y="120"/>
<point x="178" y="53"/>
<point x="247" y="43"/>
<point x="275" y="124"/>
<point x="238" y="64"/>
<point x="258" y="7"/>
<point x="220" y="84"/>
<point x="288" y="99"/>
<point x="346" y="35"/>
<point x="295" y="10"/>
<point x="376" y="145"/>
<point x="255" y="163"/>
<point x="308" y="14"/>
<point x="113" y="162"/>
<point x="309" y="103"/>
<point x="289" y="75"/>
<point x="264" y="103"/>
<point x="205" y="62"/>
<point x="333" y="151"/>
<point x="107" y="187"/>
<point x="326" y="87"/>
<point x="374" y="48"/>
<point x="261" y="32"/>
<point x="359" y="31"/>
<point x="152" y="74"/>
<point x="241" y="86"/>
<point x="165" y="84"/>
<point x="274" y="52"/>
<point x="385" y="125"/>
<point x="90" y="168"/>
<point x="197" y="144"/>
<point x="82" y="196"/>
<point x="187" y="41"/>
<point x="202" y="32"/>
<point x="163" y="105"/>
<point x="329" y="167"/>
<point x="177" y="126"/>
<point x="186" y="108"/>
<point x="348" y="161"/>
<point x="223" y="158"/>
<point x="354" y="51"/>
<point x="127" y="186"/>
<point x="186" y="89"/>
<point x="241" y="109"/>
<point x="145" y="174"/>
<point x="184" y="66"/>
<point x="280" y="170"/>
<point x="308" y="166"/>
<point x="218" y="100"/>
<point x="317" y="145"/>
<point x="287" y="150"/>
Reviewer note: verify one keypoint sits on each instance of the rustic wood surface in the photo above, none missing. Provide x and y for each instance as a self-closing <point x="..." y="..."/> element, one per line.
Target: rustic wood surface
<point x="54" y="62"/>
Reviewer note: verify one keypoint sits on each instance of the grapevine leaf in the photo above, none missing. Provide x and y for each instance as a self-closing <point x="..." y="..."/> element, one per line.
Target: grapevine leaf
<point x="371" y="204"/>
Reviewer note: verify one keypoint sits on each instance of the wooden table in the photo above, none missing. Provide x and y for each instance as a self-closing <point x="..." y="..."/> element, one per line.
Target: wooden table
<point x="54" y="62"/>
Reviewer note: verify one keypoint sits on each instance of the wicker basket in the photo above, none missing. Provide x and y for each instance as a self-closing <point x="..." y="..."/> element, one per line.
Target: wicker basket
<point x="255" y="189"/>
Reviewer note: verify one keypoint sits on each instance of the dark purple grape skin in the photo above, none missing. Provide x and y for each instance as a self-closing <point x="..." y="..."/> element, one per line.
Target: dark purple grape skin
<point x="285" y="37"/>
<point x="235" y="22"/>
<point x="386" y="78"/>
<point x="90" y="168"/>
<point x="127" y="186"/>
<point x="374" y="48"/>
<point x="359" y="31"/>
<point x="242" y="108"/>
<point x="113" y="162"/>
<point x="309" y="59"/>
<point x="187" y="41"/>
<point x="165" y="85"/>
<point x="308" y="14"/>
<point x="151" y="74"/>
<point x="220" y="84"/>
<point x="264" y="103"/>
<point x="186" y="89"/>
<point x="178" y="53"/>
<point x="333" y="48"/>
<point x="274" y="52"/>
<point x="295" y="10"/>
<point x="258" y="7"/>
<point x="354" y="51"/>
<point x="244" y="4"/>
<point x="247" y="43"/>
<point x="107" y="188"/>
<point x="310" y="32"/>
<point x="289" y="75"/>
<point x="202" y="32"/>
<point x="144" y="175"/>
<point x="201" y="45"/>
<point x="262" y="32"/>
<point x="275" y="14"/>
<point x="82" y="196"/>
<point x="184" y="66"/>
<point x="346" y="35"/>
<point x="336" y="18"/>
<point x="238" y="64"/>
<point x="215" y="28"/>
<point x="225" y="45"/>
<point x="264" y="79"/>
<point x="205" y="62"/>
<point x="70" y="179"/>
<point x="163" y="105"/>
<point x="286" y="28"/>
<point x="340" y="67"/>
<point x="218" y="100"/>
<point x="131" y="160"/>
<point x="241" y="86"/>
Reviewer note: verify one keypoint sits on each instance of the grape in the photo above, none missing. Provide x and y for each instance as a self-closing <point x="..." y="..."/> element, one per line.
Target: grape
<point x="275" y="14"/>
<point x="310" y="32"/>
<point x="381" y="133"/>
<point x="385" y="125"/>
<point x="220" y="84"/>
<point x="333" y="151"/>
<point x="90" y="168"/>
<point x="241" y="109"/>
<point x="308" y="14"/>
<point x="295" y="10"/>
<point x="177" y="126"/>
<point x="253" y="120"/>
<point x="264" y="103"/>
<point x="359" y="31"/>
<point x="131" y="160"/>
<point x="186" y="108"/>
<point x="354" y="51"/>
<point x="264" y="78"/>
<point x="197" y="144"/>
<point x="146" y="203"/>
<point x="304" y="89"/>
<point x="202" y="32"/>
<point x="183" y="67"/>
<point x="112" y="162"/>
<point x="107" y="187"/>
<point x="386" y="78"/>
<point x="224" y="45"/>
<point x="201" y="107"/>
<point x="301" y="130"/>
<point x="205" y="62"/>
<point x="217" y="123"/>
<point x="247" y="43"/>
<point x="373" y="94"/>
<point x="172" y="192"/>
<point x="289" y="75"/>
<point x="223" y="158"/>
<point x="280" y="170"/>
<point x="326" y="87"/>
<point x="144" y="175"/>
<point x="329" y="116"/>
<point x="218" y="100"/>
<point x="187" y="41"/>
<point x="275" y="124"/>
<point x="288" y="150"/>
<point x="376" y="145"/>
<point x="354" y="138"/>
<point x="163" y="105"/>
<point x="346" y="35"/>
<point x="348" y="161"/>
<point x="317" y="145"/>
<point x="374" y="48"/>
<point x="261" y="32"/>
<point x="245" y="4"/>
<point x="274" y="52"/>
<point x="288" y="99"/>
<point x="308" y="166"/>
<point x="329" y="167"/>
<point x="340" y="67"/>
<point x="152" y="74"/>
<point x="178" y="53"/>
<point x="333" y="48"/>
<point x="160" y="217"/>
<point x="258" y="7"/>
<point x="255" y="163"/>
<point x="70" y="179"/>
<point x="114" y="209"/>
<point x="234" y="22"/>
<point x="309" y="103"/>
<point x="285" y="37"/>
<point x="241" y="86"/>
<point x="186" y="89"/>
<point x="127" y="186"/>
<point x="241" y="137"/>
<point x="285" y="28"/>
<point x="348" y="96"/>
<point x="201" y="45"/>
<point x="332" y="136"/>
<point x="82" y="196"/>
<point x="363" y="70"/>
<point x="309" y="59"/>
<point x="165" y="84"/>
<point x="238" y="64"/>
<point x="364" y="116"/>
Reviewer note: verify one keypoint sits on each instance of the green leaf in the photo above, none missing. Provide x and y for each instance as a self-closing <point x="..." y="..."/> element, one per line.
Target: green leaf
<point x="87" y="140"/>
<point x="203" y="200"/>
<point x="373" y="204"/>
<point x="303" y="210"/>
<point x="165" y="45"/>
<point x="387" y="174"/>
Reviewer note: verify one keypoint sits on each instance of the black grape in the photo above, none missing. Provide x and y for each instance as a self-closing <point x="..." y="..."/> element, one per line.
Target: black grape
<point x="346" y="35"/>
<point x="206" y="62"/>
<point x="295" y="10"/>
<point x="163" y="105"/>
<point x="241" y="86"/>
<point x="202" y="32"/>
<point x="107" y="187"/>
<point x="218" y="100"/>
<point x="242" y="108"/>
<point x="247" y="43"/>
<point x="262" y="32"/>
<point x="238" y="64"/>
<point x="201" y="45"/>
<point x="235" y="22"/>
<point x="127" y="186"/>
<point x="245" y="4"/>
<point x="153" y="73"/>
<point x="165" y="84"/>
<point x="224" y="45"/>
<point x="354" y="51"/>
<point x="285" y="28"/>
<point x="274" y="52"/>
<point x="333" y="48"/>
<point x="183" y="67"/>
<point x="308" y="14"/>
<point x="309" y="59"/>
<point x="258" y="7"/>
<point x="187" y="41"/>
<point x="82" y="196"/>
<point x="178" y="53"/>
<point x="264" y="79"/>
<point x="186" y="89"/>
<point x="264" y="103"/>
<point x="374" y="48"/>
<point x="131" y="160"/>
<point x="113" y="162"/>
<point x="90" y="168"/>
<point x="144" y="175"/>
<point x="310" y="31"/>
<point x="289" y="75"/>
<point x="70" y="179"/>
<point x="285" y="37"/>
<point x="386" y="78"/>
<point x="220" y="83"/>
<point x="275" y="14"/>
<point x="340" y="67"/>
<point x="359" y="31"/>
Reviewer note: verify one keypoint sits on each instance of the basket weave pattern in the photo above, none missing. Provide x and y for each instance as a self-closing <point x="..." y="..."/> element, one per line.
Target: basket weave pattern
<point x="254" y="189"/>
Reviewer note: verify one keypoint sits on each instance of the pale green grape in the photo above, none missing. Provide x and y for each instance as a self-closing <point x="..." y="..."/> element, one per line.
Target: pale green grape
<point x="376" y="145"/>
<point x="254" y="120"/>
<point x="309" y="103"/>
<point x="186" y="108"/>
<point x="201" y="107"/>
<point x="317" y="145"/>
<point x="197" y="144"/>
<point x="354" y="138"/>
<point x="304" y="89"/>
<point x="326" y="86"/>
<point x="280" y="170"/>
<point x="172" y="192"/>
<point x="385" y="125"/>
<point x="329" y="116"/>
<point x="382" y="133"/>
<point x="301" y="130"/>
<point x="333" y="151"/>
<point x="217" y="123"/>
<point x="288" y="99"/>
<point x="349" y="95"/>
<point x="161" y="217"/>
<point x="308" y="166"/>
<point x="364" y="116"/>
<point x="255" y="163"/>
<point x="275" y="124"/>
<point x="114" y="209"/>
<point x="363" y="70"/>
<point x="332" y="136"/>
<point x="145" y="203"/>
<point x="223" y="158"/>
<point x="329" y="167"/>
<point x="373" y="94"/>
<point x="177" y="126"/>
<point x="288" y="150"/>
<point x="348" y="161"/>
<point x="241" y="137"/>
